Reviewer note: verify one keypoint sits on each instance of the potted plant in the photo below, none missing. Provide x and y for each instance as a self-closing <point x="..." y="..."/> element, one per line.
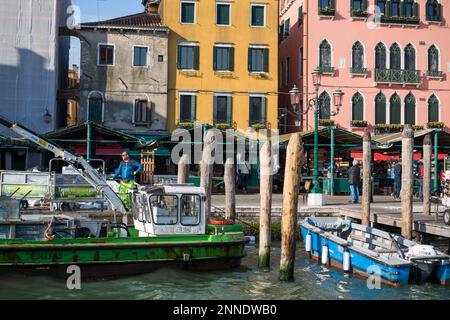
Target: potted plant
<point x="435" y="125"/>
<point x="186" y="125"/>
<point x="258" y="125"/>
<point x="359" y="123"/>
<point x="416" y="127"/>
<point x="326" y="122"/>
<point x="223" y="126"/>
<point x="386" y="128"/>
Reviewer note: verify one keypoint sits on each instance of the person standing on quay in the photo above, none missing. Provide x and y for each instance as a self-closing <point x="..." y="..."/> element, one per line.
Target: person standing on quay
<point x="397" y="180"/>
<point x="354" y="180"/>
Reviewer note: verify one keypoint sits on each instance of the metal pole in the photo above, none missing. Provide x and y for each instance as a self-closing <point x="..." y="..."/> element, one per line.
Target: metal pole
<point x="316" y="186"/>
<point x="436" y="162"/>
<point x="89" y="141"/>
<point x="332" y="161"/>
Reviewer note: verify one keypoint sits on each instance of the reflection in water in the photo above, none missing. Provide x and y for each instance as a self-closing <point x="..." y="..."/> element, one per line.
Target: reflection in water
<point x="312" y="281"/>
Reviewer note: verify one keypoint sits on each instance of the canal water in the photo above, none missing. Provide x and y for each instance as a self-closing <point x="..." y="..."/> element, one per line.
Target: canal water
<point x="312" y="281"/>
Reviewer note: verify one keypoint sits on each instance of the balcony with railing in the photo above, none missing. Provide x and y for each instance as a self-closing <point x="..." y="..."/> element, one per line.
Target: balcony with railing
<point x="327" y="70"/>
<point x="400" y="20"/>
<point x="394" y="76"/>
<point x="435" y="74"/>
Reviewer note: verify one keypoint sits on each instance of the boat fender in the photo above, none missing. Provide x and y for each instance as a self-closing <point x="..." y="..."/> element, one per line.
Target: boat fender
<point x="308" y="242"/>
<point x="346" y="261"/>
<point x="220" y="222"/>
<point x="324" y="254"/>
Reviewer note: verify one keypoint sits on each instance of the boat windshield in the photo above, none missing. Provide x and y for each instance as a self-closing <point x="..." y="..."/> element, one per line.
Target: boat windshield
<point x="164" y="209"/>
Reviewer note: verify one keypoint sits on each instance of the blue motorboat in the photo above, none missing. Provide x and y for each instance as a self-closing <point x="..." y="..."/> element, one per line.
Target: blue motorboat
<point x="372" y="252"/>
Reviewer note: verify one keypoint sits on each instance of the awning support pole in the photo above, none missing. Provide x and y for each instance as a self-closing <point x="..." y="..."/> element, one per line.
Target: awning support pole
<point x="332" y="161"/>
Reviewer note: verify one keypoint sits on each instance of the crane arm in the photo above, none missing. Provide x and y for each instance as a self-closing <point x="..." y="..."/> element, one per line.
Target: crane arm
<point x="88" y="173"/>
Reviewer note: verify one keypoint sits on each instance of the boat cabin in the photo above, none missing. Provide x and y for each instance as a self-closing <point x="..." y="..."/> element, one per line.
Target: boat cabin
<point x="169" y="210"/>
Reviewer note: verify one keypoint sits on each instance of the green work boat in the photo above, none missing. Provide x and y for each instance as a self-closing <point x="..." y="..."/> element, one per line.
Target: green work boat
<point x="170" y="228"/>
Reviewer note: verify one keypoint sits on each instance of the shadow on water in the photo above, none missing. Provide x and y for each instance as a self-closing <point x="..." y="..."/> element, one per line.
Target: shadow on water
<point x="312" y="281"/>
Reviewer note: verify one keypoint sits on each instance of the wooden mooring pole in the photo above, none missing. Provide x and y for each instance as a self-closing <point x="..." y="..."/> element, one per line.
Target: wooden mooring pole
<point x="206" y="169"/>
<point x="183" y="169"/>
<point x="294" y="161"/>
<point x="407" y="181"/>
<point x="230" y="189"/>
<point x="367" y="178"/>
<point x="265" y="205"/>
<point x="426" y="157"/>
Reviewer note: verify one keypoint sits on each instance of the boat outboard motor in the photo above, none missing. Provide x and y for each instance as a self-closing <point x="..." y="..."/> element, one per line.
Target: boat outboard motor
<point x="418" y="254"/>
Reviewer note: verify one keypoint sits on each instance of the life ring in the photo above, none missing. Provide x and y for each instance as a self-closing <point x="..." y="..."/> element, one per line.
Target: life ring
<point x="221" y="222"/>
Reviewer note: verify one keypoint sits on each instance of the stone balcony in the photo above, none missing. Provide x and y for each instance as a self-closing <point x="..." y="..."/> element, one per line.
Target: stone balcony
<point x="394" y="76"/>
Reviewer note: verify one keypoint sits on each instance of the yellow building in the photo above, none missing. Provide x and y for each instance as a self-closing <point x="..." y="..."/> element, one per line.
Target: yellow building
<point x="223" y="65"/>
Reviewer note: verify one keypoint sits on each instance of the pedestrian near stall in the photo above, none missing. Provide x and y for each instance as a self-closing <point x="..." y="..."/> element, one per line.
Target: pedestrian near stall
<point x="354" y="181"/>
<point x="397" y="180"/>
<point x="420" y="173"/>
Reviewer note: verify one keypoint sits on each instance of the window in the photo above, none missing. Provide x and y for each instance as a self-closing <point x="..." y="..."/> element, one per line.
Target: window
<point x="324" y="4"/>
<point x="300" y="16"/>
<point x="142" y="111"/>
<point x="410" y="109"/>
<point x="257" y="110"/>
<point x="190" y="210"/>
<point x="381" y="4"/>
<point x="164" y="209"/>
<point x="106" y="55"/>
<point x="395" y="56"/>
<point x="357" y="56"/>
<point x="95" y="108"/>
<point x="433" y="59"/>
<point x="410" y="57"/>
<point x="188" y="103"/>
<point x="325" y="54"/>
<point x="223" y="58"/>
<point x="433" y="109"/>
<point x="357" y="107"/>
<point x="287" y="70"/>
<point x="258" y="15"/>
<point x="140" y="56"/>
<point x="395" y="8"/>
<point x="223" y="14"/>
<point x="395" y="109"/>
<point x="222" y="109"/>
<point x="258" y="59"/>
<point x="139" y="207"/>
<point x="287" y="26"/>
<point x="380" y="109"/>
<point x="325" y="106"/>
<point x="433" y="10"/>
<point x="187" y="12"/>
<point x="160" y="58"/>
<point x="380" y="56"/>
<point x="300" y="63"/>
<point x="188" y="57"/>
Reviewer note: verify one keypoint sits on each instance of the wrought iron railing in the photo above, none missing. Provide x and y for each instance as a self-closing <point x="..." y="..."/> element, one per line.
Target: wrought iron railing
<point x="434" y="18"/>
<point x="435" y="74"/>
<point x="326" y="69"/>
<point x="327" y="11"/>
<point x="359" y="71"/>
<point x="397" y="76"/>
<point x="359" y="13"/>
<point x="400" y="20"/>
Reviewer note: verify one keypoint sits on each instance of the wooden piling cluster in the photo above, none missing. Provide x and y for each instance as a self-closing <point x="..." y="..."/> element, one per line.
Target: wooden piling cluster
<point x="294" y="161"/>
<point x="367" y="177"/>
<point x="407" y="181"/>
<point x="206" y="169"/>
<point x="230" y="189"/>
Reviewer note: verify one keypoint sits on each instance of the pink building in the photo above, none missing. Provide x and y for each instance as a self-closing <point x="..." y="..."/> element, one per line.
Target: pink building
<point x="391" y="59"/>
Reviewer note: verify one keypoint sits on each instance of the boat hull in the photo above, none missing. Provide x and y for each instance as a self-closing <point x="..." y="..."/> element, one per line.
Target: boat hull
<point x="442" y="274"/>
<point x="360" y="264"/>
<point x="120" y="256"/>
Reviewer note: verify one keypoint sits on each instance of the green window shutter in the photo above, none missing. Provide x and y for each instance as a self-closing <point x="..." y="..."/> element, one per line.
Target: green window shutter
<point x="196" y="58"/>
<point x="300" y="15"/>
<point x="215" y="109"/>
<point x="287" y="25"/>
<point x="230" y="109"/>
<point x="352" y="2"/>
<point x="388" y="8"/>
<point x="231" y="58"/>
<point x="179" y="57"/>
<point x="319" y="4"/>
<point x="250" y="59"/>
<point x="263" y="110"/>
<point x="331" y="2"/>
<point x="214" y="58"/>
<point x="439" y="11"/>
<point x="415" y="9"/>
<point x="266" y="60"/>
<point x="402" y="8"/>
<point x="193" y="107"/>
<point x="364" y="5"/>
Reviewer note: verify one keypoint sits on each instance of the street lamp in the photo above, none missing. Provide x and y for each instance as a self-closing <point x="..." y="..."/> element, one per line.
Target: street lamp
<point x="295" y="101"/>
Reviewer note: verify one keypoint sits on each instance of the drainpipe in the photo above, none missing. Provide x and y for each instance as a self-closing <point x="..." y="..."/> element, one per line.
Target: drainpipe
<point x="305" y="60"/>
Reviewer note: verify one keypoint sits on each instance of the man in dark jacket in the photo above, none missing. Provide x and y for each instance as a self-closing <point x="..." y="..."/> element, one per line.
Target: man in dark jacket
<point x="354" y="180"/>
<point x="397" y="180"/>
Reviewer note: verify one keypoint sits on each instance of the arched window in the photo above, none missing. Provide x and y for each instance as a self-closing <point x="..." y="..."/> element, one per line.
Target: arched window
<point x="380" y="109"/>
<point x="357" y="107"/>
<point x="357" y="56"/>
<point x="395" y="55"/>
<point x="410" y="57"/>
<point x="395" y="106"/>
<point x="433" y="58"/>
<point x="95" y="107"/>
<point x="380" y="56"/>
<point x="433" y="10"/>
<point x="410" y="109"/>
<point x="325" y="54"/>
<point x="433" y="109"/>
<point x="325" y="106"/>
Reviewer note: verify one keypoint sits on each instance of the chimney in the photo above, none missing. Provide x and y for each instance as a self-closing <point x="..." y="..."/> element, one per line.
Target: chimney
<point x="151" y="6"/>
